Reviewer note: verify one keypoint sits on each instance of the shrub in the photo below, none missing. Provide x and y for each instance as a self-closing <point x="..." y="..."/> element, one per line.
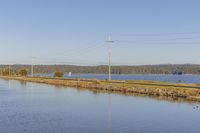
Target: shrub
<point x="58" y="74"/>
<point x="5" y="72"/>
<point x="23" y="72"/>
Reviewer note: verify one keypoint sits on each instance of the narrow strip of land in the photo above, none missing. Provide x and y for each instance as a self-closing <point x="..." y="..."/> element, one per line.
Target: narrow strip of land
<point x="190" y="92"/>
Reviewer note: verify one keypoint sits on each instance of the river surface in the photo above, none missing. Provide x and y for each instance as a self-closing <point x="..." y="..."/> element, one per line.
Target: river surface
<point x="154" y="77"/>
<point x="38" y="108"/>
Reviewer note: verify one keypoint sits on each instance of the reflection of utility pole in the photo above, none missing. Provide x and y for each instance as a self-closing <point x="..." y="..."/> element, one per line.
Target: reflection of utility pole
<point x="9" y="75"/>
<point x="109" y="42"/>
<point x="109" y="114"/>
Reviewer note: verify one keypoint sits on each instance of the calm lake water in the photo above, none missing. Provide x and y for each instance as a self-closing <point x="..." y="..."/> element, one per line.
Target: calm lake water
<point x="153" y="77"/>
<point x="39" y="108"/>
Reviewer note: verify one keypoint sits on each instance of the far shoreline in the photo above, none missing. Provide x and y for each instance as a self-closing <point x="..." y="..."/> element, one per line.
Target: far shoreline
<point x="184" y="78"/>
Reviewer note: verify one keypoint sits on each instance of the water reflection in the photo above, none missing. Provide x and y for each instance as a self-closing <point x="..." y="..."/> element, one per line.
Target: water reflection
<point x="109" y="113"/>
<point x="158" y="98"/>
<point x="45" y="108"/>
<point x="23" y="83"/>
<point x="98" y="92"/>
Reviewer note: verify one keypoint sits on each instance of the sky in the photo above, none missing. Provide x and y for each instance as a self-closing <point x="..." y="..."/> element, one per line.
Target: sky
<point x="75" y="31"/>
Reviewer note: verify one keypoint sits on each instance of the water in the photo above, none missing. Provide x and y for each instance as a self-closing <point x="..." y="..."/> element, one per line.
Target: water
<point x="154" y="77"/>
<point x="39" y="108"/>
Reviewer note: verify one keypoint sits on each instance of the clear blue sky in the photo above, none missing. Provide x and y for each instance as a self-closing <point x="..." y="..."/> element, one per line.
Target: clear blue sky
<point x="74" y="31"/>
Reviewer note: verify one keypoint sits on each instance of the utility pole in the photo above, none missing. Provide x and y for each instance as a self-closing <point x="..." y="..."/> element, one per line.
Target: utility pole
<point x="1" y="71"/>
<point x="32" y="66"/>
<point x="9" y="70"/>
<point x="109" y="42"/>
<point x="32" y="69"/>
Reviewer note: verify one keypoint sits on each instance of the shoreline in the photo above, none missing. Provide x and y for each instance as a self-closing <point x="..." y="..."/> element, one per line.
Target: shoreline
<point x="188" y="92"/>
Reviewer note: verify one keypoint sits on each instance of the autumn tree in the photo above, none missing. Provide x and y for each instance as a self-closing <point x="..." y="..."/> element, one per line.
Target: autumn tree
<point x="23" y="72"/>
<point x="58" y="74"/>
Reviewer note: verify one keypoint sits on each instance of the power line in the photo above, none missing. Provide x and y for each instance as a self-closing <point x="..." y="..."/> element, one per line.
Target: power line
<point x="70" y="57"/>
<point x="77" y="53"/>
<point x="71" y="51"/>
<point x="162" y="34"/>
<point x="159" y="41"/>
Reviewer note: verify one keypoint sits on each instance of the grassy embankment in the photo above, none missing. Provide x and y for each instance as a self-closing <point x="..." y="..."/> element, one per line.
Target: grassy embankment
<point x="190" y="92"/>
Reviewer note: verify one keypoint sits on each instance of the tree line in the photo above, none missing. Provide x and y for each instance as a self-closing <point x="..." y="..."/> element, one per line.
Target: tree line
<point x="143" y="69"/>
<point x="13" y="72"/>
<point x="24" y="72"/>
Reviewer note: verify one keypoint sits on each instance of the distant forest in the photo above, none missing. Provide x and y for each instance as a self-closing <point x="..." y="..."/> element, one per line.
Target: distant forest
<point x="143" y="69"/>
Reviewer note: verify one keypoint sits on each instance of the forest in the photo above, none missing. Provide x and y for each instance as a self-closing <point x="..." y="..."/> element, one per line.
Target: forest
<point x="142" y="69"/>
